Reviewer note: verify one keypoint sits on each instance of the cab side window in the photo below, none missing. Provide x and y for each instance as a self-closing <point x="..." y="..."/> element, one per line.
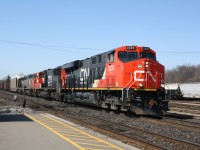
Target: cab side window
<point x="111" y="57"/>
<point x="99" y="58"/>
<point x="94" y="60"/>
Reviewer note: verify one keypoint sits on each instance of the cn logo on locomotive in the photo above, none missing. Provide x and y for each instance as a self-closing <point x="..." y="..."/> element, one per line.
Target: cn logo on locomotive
<point x="84" y="73"/>
<point x="140" y="72"/>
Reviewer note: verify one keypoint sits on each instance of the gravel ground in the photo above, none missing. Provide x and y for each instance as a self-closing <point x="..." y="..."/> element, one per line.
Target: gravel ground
<point x="13" y="108"/>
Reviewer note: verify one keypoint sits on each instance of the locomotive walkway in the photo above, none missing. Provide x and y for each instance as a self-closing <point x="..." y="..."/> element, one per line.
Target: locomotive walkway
<point x="43" y="131"/>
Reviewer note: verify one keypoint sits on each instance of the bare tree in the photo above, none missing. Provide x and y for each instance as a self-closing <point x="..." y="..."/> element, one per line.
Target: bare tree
<point x="183" y="73"/>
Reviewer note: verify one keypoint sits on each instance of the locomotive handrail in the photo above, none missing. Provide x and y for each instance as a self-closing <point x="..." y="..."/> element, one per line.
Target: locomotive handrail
<point x="128" y="82"/>
<point x="134" y="81"/>
<point x="129" y="86"/>
<point x="125" y="87"/>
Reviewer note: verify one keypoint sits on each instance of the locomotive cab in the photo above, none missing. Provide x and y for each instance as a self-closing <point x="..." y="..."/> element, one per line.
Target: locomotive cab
<point x="141" y="78"/>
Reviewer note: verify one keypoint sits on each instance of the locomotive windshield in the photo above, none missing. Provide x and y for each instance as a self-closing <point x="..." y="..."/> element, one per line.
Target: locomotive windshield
<point x="148" y="55"/>
<point x="127" y="56"/>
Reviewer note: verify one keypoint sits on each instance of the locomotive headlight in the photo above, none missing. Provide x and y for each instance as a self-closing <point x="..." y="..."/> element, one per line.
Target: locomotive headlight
<point x="146" y="64"/>
<point x="140" y="85"/>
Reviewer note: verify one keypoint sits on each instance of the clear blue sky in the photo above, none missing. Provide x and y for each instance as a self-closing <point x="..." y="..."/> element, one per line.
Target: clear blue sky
<point x="170" y="27"/>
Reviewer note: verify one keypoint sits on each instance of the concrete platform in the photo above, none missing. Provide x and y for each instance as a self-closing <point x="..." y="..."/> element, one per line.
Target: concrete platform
<point x="18" y="132"/>
<point x="36" y="131"/>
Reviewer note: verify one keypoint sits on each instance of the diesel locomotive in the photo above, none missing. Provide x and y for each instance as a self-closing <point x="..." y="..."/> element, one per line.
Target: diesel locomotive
<point x="128" y="78"/>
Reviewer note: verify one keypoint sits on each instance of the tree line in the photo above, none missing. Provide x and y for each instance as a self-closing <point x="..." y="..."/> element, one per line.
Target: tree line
<point x="183" y="74"/>
<point x="7" y="79"/>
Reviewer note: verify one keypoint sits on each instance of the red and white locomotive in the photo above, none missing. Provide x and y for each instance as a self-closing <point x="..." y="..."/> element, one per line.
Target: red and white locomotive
<point x="127" y="78"/>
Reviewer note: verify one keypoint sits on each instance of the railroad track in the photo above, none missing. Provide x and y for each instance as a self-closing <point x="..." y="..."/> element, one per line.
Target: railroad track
<point x="186" y="101"/>
<point x="184" y="124"/>
<point x="131" y="135"/>
<point x="185" y="107"/>
<point x="185" y="110"/>
<point x="187" y="124"/>
<point x="193" y="106"/>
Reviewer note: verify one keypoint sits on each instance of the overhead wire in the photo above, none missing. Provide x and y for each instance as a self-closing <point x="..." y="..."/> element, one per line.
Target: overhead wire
<point x="61" y="48"/>
<point x="48" y="45"/>
<point x="55" y="47"/>
<point x="178" y="52"/>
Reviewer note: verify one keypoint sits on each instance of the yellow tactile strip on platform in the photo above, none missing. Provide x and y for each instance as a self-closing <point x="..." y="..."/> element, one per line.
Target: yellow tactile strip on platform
<point x="69" y="133"/>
